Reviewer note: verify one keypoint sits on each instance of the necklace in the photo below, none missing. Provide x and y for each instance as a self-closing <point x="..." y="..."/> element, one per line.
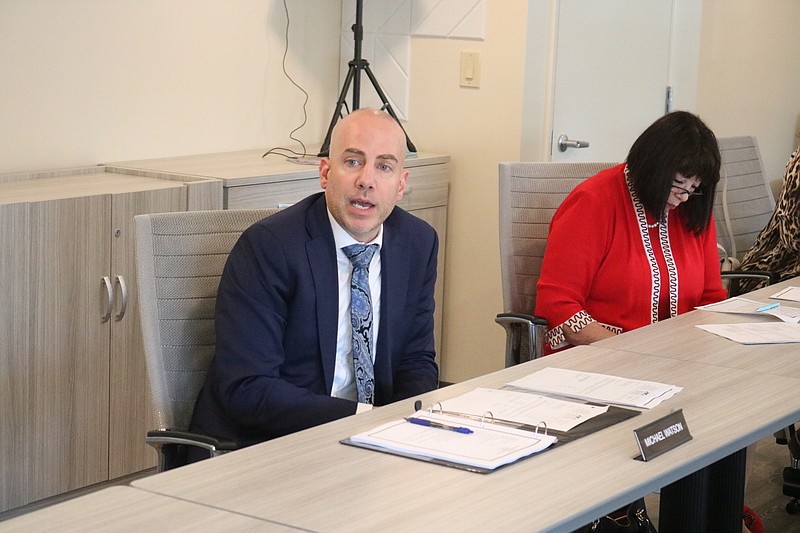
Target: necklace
<point x="657" y="223"/>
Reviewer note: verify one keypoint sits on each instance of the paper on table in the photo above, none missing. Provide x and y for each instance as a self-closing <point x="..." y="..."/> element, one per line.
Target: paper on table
<point x="756" y="333"/>
<point x="789" y="293"/>
<point x="743" y="306"/>
<point x="598" y="387"/>
<point x="524" y="408"/>
<point x="488" y="447"/>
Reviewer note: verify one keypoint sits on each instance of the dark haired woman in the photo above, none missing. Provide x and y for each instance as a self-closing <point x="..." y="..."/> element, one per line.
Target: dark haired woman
<point x="635" y="243"/>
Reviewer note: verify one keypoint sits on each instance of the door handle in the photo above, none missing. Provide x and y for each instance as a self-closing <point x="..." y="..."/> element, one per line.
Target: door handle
<point x="564" y="142"/>
<point x="109" y="300"/>
<point x="124" y="293"/>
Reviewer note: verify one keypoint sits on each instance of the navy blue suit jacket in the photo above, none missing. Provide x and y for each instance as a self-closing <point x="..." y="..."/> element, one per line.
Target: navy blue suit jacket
<point x="276" y="325"/>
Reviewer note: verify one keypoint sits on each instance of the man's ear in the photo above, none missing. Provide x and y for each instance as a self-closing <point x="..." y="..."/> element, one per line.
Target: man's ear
<point x="324" y="168"/>
<point x="402" y="186"/>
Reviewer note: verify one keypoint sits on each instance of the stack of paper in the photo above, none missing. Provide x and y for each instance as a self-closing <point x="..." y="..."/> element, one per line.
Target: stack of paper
<point x="786" y="331"/>
<point x="599" y="388"/>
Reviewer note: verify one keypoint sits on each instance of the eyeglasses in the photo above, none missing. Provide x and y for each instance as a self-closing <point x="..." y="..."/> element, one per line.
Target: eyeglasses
<point x="697" y="192"/>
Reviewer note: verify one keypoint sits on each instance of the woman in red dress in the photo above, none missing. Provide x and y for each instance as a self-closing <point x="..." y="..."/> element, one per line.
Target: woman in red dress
<point x="635" y="243"/>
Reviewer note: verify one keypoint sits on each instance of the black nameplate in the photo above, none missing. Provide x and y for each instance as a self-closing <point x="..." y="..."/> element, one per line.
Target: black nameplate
<point x="662" y="435"/>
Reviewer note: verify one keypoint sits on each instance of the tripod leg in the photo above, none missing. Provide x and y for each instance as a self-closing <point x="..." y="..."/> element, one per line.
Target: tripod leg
<point x="387" y="105"/>
<point x="337" y="113"/>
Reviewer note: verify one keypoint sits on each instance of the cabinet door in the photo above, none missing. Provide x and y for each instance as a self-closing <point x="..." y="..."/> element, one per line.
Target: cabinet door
<point x="131" y="411"/>
<point x="68" y="356"/>
<point x="16" y="409"/>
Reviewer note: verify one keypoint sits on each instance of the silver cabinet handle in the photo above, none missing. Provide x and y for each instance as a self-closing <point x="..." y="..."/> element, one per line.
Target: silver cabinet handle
<point x="123" y="288"/>
<point x="564" y="142"/>
<point x="106" y="282"/>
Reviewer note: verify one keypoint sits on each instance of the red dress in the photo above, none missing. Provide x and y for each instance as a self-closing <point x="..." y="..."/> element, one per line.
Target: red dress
<point x="605" y="263"/>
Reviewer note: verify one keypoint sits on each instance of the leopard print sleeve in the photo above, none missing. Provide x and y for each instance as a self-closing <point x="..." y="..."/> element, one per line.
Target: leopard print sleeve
<point x="788" y="206"/>
<point x="777" y="248"/>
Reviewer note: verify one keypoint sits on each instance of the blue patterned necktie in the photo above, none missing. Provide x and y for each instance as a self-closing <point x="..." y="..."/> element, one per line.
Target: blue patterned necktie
<point x="361" y="319"/>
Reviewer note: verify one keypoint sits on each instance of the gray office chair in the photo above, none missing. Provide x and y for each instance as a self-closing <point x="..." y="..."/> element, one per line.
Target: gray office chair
<point x="742" y="207"/>
<point x="180" y="258"/>
<point x="529" y="196"/>
<point x="744" y="203"/>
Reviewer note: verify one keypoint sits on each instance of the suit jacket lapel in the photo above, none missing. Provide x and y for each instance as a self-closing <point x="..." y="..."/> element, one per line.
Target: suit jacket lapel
<point x="322" y="260"/>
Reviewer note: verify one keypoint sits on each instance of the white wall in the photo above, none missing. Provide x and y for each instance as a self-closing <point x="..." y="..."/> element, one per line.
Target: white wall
<point x="91" y="81"/>
<point x="749" y="75"/>
<point x="478" y="128"/>
<point x="87" y="81"/>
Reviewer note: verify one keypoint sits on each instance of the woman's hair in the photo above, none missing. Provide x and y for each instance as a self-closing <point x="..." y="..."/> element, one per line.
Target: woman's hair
<point x="678" y="142"/>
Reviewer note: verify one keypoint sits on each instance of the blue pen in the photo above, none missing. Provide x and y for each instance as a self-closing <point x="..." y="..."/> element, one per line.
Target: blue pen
<point x="767" y="307"/>
<point x="439" y="425"/>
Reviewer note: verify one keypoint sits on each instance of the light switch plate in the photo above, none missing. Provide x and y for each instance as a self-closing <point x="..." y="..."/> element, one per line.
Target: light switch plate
<point x="470" y="72"/>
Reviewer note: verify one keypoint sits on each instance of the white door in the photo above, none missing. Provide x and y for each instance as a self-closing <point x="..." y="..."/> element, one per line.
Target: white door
<point x="611" y="74"/>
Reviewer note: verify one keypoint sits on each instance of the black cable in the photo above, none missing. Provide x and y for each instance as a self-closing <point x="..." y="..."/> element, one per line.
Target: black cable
<point x="287" y="151"/>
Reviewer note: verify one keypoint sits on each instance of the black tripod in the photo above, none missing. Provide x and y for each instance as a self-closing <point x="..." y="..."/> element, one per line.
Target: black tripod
<point x="354" y="76"/>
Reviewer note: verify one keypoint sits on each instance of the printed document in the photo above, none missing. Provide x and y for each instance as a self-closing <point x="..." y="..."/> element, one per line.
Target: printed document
<point x="601" y="388"/>
<point x="789" y="293"/>
<point x="756" y="333"/>
<point x="743" y="306"/>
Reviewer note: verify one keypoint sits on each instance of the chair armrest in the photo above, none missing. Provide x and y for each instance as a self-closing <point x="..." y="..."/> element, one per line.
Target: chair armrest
<point x="738" y="275"/>
<point x="772" y="277"/>
<point x="172" y="444"/>
<point x="520" y="318"/>
<point x="524" y="336"/>
<point x="173" y="436"/>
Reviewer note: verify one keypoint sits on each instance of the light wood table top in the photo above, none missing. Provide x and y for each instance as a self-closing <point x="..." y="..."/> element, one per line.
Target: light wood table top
<point x="311" y="481"/>
<point x="124" y="508"/>
<point x="678" y="338"/>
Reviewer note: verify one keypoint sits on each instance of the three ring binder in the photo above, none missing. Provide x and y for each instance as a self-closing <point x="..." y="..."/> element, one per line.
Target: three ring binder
<point x="487" y="415"/>
<point x="488" y="447"/>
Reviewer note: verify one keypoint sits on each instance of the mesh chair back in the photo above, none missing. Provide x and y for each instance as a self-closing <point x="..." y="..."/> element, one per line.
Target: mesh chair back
<point x="744" y="203"/>
<point x="530" y="193"/>
<point x="180" y="258"/>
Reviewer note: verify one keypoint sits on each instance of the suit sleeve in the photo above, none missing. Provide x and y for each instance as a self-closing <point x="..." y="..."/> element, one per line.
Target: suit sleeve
<point x="416" y="371"/>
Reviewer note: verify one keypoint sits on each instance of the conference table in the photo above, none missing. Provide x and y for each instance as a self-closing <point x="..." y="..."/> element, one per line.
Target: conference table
<point x="678" y="338"/>
<point x="124" y="508"/>
<point x="310" y="481"/>
<point x="733" y="396"/>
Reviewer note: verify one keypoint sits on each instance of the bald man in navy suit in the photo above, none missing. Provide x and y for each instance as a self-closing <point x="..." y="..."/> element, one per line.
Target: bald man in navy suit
<point x="283" y="358"/>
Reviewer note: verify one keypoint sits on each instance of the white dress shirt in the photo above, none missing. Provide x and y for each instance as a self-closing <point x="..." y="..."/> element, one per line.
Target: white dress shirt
<point x="344" y="385"/>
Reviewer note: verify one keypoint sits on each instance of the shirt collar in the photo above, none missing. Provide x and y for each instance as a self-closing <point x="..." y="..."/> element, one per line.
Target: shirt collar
<point x="341" y="238"/>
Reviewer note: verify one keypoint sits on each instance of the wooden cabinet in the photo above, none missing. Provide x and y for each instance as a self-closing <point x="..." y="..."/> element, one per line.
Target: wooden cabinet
<point x="251" y="181"/>
<point x="74" y="406"/>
